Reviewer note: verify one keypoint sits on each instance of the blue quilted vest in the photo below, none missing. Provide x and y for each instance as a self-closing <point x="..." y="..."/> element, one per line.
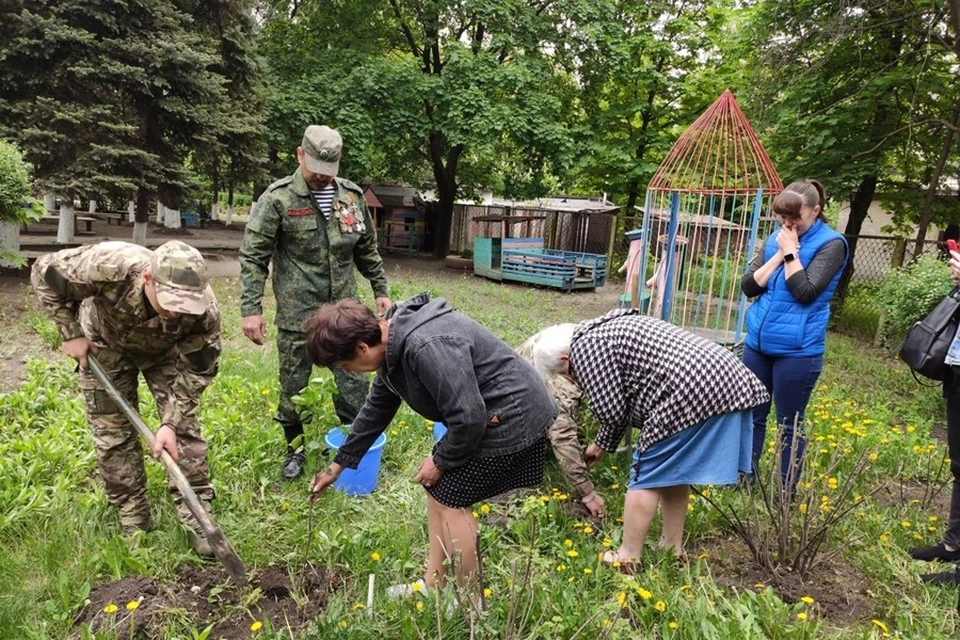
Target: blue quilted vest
<point x="778" y="325"/>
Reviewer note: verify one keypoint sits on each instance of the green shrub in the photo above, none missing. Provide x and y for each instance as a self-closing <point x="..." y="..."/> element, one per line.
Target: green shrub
<point x="861" y="311"/>
<point x="14" y="182"/>
<point x="908" y="294"/>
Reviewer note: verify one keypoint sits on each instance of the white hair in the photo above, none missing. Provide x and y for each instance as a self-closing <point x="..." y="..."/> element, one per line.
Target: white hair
<point x="551" y="348"/>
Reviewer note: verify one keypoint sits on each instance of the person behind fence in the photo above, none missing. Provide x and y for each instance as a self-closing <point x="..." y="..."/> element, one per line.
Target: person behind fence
<point x="690" y="398"/>
<point x="948" y="549"/>
<point x="564" y="435"/>
<point x="314" y="228"/>
<point x="139" y="311"/>
<point x="792" y="281"/>
<point x="447" y="368"/>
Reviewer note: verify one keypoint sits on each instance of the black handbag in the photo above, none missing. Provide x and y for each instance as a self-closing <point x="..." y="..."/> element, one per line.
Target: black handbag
<point x="926" y="345"/>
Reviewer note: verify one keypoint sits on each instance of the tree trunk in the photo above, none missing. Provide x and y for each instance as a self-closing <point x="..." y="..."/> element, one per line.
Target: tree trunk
<point x="9" y="242"/>
<point x="443" y="218"/>
<point x="49" y="202"/>
<point x="131" y="211"/>
<point x="927" y="214"/>
<point x="859" y="207"/>
<point x="92" y="207"/>
<point x="215" y="204"/>
<point x="171" y="219"/>
<point x="141" y="218"/>
<point x="229" y="220"/>
<point x="66" y="226"/>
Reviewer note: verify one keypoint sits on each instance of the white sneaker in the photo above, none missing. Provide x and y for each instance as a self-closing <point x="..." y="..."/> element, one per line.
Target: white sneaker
<point x="401" y="591"/>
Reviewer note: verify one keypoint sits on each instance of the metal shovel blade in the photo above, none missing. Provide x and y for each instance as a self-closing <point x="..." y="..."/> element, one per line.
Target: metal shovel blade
<point x="221" y="546"/>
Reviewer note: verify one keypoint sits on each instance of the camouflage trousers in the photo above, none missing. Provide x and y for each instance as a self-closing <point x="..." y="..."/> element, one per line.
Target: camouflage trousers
<point x="117" y="444"/>
<point x="295" y="371"/>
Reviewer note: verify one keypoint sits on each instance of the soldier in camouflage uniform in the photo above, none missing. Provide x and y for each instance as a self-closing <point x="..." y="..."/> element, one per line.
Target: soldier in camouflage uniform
<point x="139" y="311"/>
<point x="564" y="434"/>
<point x="314" y="227"/>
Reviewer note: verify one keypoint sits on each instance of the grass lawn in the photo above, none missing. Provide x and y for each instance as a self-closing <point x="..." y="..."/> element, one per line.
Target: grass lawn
<point x="59" y="540"/>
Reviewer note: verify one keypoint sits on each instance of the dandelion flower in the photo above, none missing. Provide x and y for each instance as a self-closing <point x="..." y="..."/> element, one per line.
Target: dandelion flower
<point x="881" y="625"/>
<point x="573" y="553"/>
<point x="256" y="626"/>
<point x="643" y="593"/>
<point x="568" y="543"/>
<point x="807" y="600"/>
<point x="110" y="608"/>
<point x="487" y="593"/>
<point x="588" y="529"/>
<point x="661" y="606"/>
<point x="416" y="587"/>
<point x="587" y="571"/>
<point x="484" y="509"/>
<point x="132" y="605"/>
<point x="673" y="624"/>
<point x="343" y="623"/>
<point x="905" y="524"/>
<point x="358" y="606"/>
<point x="801" y="616"/>
<point x="883" y="537"/>
<point x="622" y="599"/>
<point x="873" y="457"/>
<point x="375" y="556"/>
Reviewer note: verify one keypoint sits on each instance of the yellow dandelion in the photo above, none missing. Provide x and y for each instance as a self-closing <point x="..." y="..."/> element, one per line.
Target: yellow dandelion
<point x="905" y="524"/>
<point x="934" y="518"/>
<point x="587" y="571"/>
<point x="110" y="608"/>
<point x="561" y="497"/>
<point x="759" y="585"/>
<point x="256" y="626"/>
<point x="661" y="606"/>
<point x="132" y="605"/>
<point x="375" y="556"/>
<point x="607" y="542"/>
<point x="643" y="593"/>
<point x="622" y="599"/>
<point x="802" y="508"/>
<point x="588" y="529"/>
<point x="801" y="616"/>
<point x="265" y="392"/>
<point x="807" y="600"/>
<point x="881" y="625"/>
<point x="343" y="623"/>
<point x="358" y="606"/>
<point x="573" y="553"/>
<point x="570" y="579"/>
<point x="561" y="567"/>
<point x="883" y="537"/>
<point x="685" y="587"/>
<point x="568" y="543"/>
<point x="615" y="485"/>
<point x="417" y="587"/>
<point x="484" y="509"/>
<point x="673" y="624"/>
<point x="419" y="606"/>
<point x="487" y="592"/>
<point x="873" y="457"/>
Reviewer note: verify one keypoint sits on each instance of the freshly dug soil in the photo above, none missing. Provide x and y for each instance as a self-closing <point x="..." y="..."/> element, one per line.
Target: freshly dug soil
<point x="204" y="596"/>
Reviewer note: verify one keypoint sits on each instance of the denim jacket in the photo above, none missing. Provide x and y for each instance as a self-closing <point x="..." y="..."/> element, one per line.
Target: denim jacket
<point x="448" y="368"/>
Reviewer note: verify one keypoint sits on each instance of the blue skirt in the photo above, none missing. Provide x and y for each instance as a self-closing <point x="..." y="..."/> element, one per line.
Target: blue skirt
<point x="715" y="451"/>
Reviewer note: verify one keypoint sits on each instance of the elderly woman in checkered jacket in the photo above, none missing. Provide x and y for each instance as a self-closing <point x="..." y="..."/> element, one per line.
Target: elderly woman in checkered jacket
<point x="691" y="399"/>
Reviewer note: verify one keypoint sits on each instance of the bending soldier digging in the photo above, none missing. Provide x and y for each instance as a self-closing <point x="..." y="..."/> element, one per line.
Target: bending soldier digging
<point x="139" y="311"/>
<point x="315" y="227"/>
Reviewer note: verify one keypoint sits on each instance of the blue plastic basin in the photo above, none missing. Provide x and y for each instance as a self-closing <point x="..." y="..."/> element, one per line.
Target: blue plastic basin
<point x="362" y="480"/>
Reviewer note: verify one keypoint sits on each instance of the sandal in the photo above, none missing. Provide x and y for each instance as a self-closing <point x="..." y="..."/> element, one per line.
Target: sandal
<point x="626" y="567"/>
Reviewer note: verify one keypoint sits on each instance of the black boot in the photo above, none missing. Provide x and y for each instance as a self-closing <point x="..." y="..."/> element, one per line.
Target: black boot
<point x="293" y="466"/>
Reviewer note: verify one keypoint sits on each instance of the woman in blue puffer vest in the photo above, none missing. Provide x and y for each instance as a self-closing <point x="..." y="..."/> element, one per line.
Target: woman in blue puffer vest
<point x="792" y="279"/>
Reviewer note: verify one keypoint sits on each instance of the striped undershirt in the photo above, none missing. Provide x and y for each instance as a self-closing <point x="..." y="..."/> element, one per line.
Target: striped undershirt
<point x="324" y="198"/>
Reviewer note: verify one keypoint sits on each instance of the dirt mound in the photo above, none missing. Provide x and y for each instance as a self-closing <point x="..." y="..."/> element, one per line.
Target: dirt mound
<point x="203" y="596"/>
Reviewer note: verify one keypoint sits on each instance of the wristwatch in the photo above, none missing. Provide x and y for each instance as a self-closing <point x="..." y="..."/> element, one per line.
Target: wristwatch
<point x="789" y="257"/>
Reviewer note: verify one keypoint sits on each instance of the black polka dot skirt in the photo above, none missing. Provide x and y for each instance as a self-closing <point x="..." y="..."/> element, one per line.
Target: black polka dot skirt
<point x="482" y="478"/>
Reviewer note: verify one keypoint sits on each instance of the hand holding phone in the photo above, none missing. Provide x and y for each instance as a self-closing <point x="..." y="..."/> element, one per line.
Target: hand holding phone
<point x="952" y="245"/>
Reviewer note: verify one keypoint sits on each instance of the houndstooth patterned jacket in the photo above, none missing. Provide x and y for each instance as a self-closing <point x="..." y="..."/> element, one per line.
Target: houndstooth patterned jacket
<point x="642" y="372"/>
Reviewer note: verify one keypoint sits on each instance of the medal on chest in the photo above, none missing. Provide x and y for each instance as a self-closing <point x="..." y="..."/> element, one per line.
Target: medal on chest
<point x="349" y="217"/>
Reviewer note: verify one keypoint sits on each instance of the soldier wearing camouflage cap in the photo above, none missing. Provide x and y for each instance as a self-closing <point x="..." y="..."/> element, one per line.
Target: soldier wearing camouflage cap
<point x="314" y="227"/>
<point x="139" y="311"/>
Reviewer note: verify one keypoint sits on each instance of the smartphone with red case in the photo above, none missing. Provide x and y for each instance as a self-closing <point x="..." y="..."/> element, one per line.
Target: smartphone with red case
<point x="952" y="245"/>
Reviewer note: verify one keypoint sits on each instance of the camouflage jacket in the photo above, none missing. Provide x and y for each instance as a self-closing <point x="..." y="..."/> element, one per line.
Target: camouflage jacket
<point x="97" y="291"/>
<point x="313" y="257"/>
<point x="564" y="434"/>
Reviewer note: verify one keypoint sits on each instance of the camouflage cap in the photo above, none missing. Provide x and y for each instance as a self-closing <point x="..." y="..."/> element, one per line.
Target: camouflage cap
<point x="321" y="150"/>
<point x="180" y="275"/>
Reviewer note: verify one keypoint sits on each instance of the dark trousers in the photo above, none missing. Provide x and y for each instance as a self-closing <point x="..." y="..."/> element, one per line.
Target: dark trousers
<point x="790" y="382"/>
<point x="952" y="535"/>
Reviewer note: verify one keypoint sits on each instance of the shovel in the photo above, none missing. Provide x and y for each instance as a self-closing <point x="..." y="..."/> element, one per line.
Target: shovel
<point x="221" y="547"/>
